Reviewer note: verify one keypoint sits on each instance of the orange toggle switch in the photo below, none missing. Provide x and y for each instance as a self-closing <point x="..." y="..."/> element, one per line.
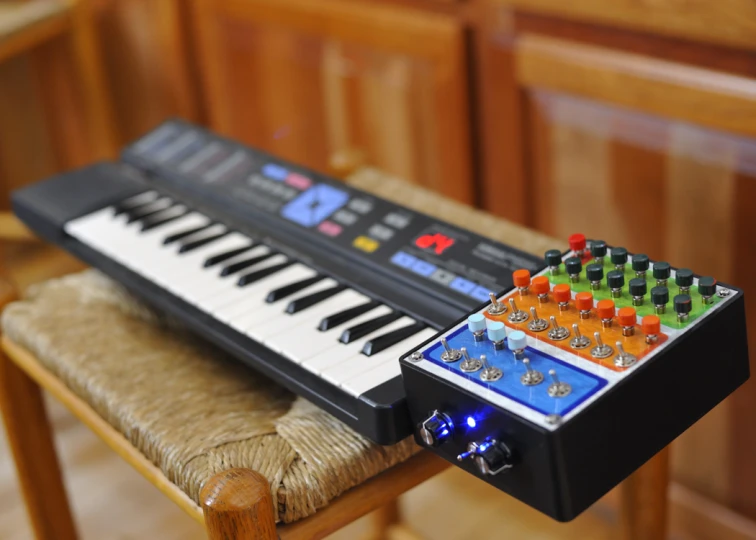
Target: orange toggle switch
<point x="577" y="242"/>
<point x="562" y="293"/>
<point x="584" y="301"/>
<point x="521" y="278"/>
<point x="651" y="325"/>
<point x="540" y="285"/>
<point x="605" y="309"/>
<point x="627" y="316"/>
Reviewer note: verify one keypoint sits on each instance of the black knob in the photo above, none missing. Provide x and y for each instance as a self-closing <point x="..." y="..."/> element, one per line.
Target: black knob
<point x="553" y="257"/>
<point x="684" y="277"/>
<point x="436" y="430"/>
<point x="594" y="272"/>
<point x="619" y="255"/>
<point x="662" y="270"/>
<point x="598" y="248"/>
<point x="707" y="286"/>
<point x="638" y="287"/>
<point x="615" y="279"/>
<point x="640" y="262"/>
<point x="659" y="296"/>
<point x="573" y="265"/>
<point x="683" y="303"/>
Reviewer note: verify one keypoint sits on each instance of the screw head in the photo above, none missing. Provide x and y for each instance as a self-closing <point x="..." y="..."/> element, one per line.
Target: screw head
<point x="553" y="419"/>
<point x="723" y="293"/>
<point x="416" y="356"/>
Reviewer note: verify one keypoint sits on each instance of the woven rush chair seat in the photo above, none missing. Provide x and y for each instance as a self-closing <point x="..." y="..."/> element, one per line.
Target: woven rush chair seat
<point x="192" y="410"/>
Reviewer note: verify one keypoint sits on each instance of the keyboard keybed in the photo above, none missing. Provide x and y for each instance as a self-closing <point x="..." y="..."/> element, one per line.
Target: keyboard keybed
<point x="345" y="337"/>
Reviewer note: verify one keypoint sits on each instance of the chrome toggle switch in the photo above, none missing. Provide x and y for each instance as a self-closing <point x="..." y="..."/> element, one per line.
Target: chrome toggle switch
<point x="490" y="456"/>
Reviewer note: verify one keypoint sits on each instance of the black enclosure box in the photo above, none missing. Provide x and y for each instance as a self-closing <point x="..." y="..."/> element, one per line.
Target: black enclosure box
<point x="562" y="472"/>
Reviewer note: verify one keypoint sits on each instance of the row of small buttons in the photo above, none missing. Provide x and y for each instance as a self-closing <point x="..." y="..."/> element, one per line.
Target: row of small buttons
<point x="439" y="275"/>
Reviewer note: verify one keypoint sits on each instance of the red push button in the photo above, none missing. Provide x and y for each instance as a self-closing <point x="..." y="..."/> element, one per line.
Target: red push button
<point x="651" y="325"/>
<point x="577" y="242"/>
<point x="627" y="316"/>
<point x="521" y="278"/>
<point x="562" y="293"/>
<point x="584" y="301"/>
<point x="540" y="285"/>
<point x="605" y="309"/>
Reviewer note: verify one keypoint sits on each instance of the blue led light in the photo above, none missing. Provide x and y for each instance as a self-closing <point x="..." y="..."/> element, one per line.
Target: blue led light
<point x="471" y="422"/>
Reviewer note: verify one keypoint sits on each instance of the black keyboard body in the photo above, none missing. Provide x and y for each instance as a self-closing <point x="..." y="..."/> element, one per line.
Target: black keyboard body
<point x="426" y="270"/>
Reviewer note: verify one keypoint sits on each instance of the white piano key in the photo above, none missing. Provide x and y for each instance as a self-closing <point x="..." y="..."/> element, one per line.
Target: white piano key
<point x="304" y="344"/>
<point x="340" y="353"/>
<point x="388" y="365"/>
<point x="302" y="325"/>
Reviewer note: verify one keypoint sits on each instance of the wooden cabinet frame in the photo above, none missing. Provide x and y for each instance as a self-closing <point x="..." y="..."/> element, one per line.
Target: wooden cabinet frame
<point x="437" y="38"/>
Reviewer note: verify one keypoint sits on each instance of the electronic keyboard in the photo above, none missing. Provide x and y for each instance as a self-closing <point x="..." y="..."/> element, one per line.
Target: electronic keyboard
<point x="316" y="284"/>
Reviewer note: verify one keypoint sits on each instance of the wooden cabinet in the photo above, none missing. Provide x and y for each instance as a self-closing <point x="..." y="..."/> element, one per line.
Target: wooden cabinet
<point x="637" y="124"/>
<point x="310" y="81"/>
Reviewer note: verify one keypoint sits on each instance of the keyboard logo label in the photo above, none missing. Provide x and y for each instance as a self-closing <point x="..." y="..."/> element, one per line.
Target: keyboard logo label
<point x="436" y="241"/>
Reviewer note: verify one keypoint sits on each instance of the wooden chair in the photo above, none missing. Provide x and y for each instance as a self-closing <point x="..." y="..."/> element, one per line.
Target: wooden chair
<point x="33" y="27"/>
<point x="237" y="503"/>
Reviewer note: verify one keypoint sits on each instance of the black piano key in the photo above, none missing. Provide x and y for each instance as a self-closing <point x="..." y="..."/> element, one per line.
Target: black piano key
<point x="332" y="321"/>
<point x="304" y="302"/>
<point x="188" y="245"/>
<point x="134" y="202"/>
<point x="287" y="290"/>
<point x="361" y="330"/>
<point x="383" y="342"/>
<point x="226" y="255"/>
<point x="146" y="210"/>
<point x="244" y="263"/>
<point x="247" y="279"/>
<point x="183" y="234"/>
<point x="161" y="218"/>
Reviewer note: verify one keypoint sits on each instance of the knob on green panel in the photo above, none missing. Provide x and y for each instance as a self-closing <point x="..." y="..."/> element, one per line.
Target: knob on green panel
<point x="659" y="296"/>
<point x="553" y="257"/>
<point x="683" y="304"/>
<point x="707" y="286"/>
<point x="638" y="287"/>
<point x="640" y="262"/>
<point x="573" y="265"/>
<point x="615" y="279"/>
<point x="594" y="272"/>
<point x="619" y="255"/>
<point x="662" y="270"/>
<point x="598" y="248"/>
<point x="684" y="277"/>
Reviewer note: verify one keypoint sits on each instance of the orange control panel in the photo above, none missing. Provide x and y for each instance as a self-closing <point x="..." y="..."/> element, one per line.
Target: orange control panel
<point x="578" y="323"/>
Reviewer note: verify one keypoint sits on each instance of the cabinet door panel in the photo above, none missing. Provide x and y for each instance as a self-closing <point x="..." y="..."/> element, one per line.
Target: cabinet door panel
<point x="310" y="82"/>
<point x="676" y="191"/>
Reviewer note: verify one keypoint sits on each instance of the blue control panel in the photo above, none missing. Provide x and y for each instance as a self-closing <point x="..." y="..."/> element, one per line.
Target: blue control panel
<point x="583" y="384"/>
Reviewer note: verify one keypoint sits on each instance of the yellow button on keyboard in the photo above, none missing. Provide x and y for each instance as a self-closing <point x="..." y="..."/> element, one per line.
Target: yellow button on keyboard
<point x="368" y="245"/>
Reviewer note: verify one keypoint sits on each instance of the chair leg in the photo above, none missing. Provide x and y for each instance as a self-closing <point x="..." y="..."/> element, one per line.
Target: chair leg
<point x="383" y="519"/>
<point x="644" y="500"/>
<point x="31" y="441"/>
<point x="238" y="505"/>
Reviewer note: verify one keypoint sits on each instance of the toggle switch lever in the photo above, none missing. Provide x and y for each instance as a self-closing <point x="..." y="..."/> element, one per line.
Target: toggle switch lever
<point x="490" y="456"/>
